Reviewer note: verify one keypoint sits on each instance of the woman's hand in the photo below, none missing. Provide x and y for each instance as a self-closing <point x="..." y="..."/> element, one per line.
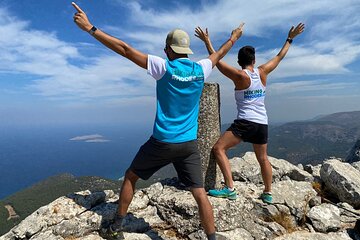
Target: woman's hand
<point x="204" y="36"/>
<point x="294" y="31"/>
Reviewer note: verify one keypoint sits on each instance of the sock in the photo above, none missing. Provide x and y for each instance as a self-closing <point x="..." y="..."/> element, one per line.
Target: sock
<point x="211" y="236"/>
<point x="117" y="225"/>
<point x="231" y="189"/>
<point x="269" y="193"/>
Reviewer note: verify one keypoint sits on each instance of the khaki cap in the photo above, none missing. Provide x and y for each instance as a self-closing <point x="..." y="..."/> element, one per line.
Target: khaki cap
<point x="179" y="41"/>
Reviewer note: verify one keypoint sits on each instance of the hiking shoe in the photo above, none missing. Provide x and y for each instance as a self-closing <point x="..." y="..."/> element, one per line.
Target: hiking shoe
<point x="266" y="198"/>
<point x="110" y="234"/>
<point x="225" y="192"/>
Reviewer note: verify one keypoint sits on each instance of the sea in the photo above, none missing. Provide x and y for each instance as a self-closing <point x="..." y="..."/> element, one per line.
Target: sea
<point x="32" y="154"/>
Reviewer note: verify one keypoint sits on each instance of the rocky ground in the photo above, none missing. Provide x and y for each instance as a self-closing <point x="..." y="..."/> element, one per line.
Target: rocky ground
<point x="310" y="202"/>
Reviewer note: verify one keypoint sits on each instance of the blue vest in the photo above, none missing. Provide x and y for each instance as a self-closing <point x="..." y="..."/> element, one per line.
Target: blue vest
<point x="178" y="95"/>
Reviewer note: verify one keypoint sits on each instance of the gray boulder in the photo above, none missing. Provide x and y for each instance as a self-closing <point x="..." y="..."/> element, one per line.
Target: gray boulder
<point x="314" y="236"/>
<point x="314" y="171"/>
<point x="235" y="234"/>
<point x="295" y="195"/>
<point x="283" y="168"/>
<point x="325" y="218"/>
<point x="342" y="180"/>
<point x="247" y="168"/>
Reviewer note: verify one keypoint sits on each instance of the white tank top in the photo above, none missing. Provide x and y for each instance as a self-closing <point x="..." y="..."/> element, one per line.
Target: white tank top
<point x="251" y="101"/>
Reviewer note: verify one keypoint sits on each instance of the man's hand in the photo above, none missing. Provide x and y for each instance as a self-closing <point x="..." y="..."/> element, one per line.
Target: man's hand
<point x="237" y="32"/>
<point x="81" y="19"/>
<point x="294" y="31"/>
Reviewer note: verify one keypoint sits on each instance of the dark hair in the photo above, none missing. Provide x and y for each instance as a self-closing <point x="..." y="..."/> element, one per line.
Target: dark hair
<point x="246" y="56"/>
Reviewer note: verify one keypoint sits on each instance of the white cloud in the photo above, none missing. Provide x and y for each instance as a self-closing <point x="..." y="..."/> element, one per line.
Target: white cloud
<point x="50" y="63"/>
<point x="31" y="51"/>
<point x="109" y="76"/>
<point x="85" y="137"/>
<point x="328" y="46"/>
<point x="97" y="140"/>
<point x="93" y="138"/>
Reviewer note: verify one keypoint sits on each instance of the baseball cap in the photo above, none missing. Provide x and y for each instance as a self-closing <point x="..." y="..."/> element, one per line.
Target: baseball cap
<point x="179" y="41"/>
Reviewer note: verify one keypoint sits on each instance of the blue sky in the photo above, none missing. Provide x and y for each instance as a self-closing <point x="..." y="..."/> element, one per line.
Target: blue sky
<point x="51" y="72"/>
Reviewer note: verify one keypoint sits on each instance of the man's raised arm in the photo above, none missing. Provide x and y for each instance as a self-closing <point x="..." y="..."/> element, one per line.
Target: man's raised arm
<point x="111" y="42"/>
<point x="223" y="50"/>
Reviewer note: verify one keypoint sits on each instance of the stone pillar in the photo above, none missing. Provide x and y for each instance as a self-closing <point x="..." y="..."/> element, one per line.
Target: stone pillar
<point x="209" y="133"/>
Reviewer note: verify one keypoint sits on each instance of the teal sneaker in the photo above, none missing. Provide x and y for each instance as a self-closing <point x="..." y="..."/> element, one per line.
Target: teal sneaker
<point x="225" y="192"/>
<point x="266" y="198"/>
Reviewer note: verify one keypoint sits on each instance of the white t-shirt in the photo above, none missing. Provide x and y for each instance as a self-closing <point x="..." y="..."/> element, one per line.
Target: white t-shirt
<point x="157" y="67"/>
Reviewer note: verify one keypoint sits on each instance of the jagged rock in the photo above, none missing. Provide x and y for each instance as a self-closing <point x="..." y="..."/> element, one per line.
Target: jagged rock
<point x="283" y="168"/>
<point x="51" y="215"/>
<point x="168" y="211"/>
<point x="236" y="234"/>
<point x="343" y="180"/>
<point x="295" y="195"/>
<point x="141" y="201"/>
<point x="180" y="210"/>
<point x="325" y="218"/>
<point x="46" y="235"/>
<point x="309" y="168"/>
<point x="154" y="190"/>
<point x="356" y="165"/>
<point x="310" y="227"/>
<point x="275" y="228"/>
<point x="355" y="233"/>
<point x="314" y="171"/>
<point x="247" y="169"/>
<point x="348" y="214"/>
<point x="354" y="155"/>
<point x="315" y="201"/>
<point x="176" y="205"/>
<point x="314" y="236"/>
<point x="269" y="211"/>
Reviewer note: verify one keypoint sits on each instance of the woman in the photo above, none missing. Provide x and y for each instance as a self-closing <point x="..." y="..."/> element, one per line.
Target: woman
<point x="251" y="124"/>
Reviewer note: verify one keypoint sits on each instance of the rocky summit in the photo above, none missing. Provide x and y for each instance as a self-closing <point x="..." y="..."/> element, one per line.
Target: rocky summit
<point x="312" y="202"/>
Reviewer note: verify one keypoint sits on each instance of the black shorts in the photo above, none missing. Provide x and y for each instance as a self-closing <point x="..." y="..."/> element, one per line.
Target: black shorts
<point x="155" y="154"/>
<point x="251" y="132"/>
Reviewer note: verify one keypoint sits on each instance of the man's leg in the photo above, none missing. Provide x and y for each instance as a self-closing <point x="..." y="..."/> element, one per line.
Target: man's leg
<point x="205" y="211"/>
<point x="226" y="141"/>
<point x="114" y="232"/>
<point x="266" y="169"/>
<point x="127" y="192"/>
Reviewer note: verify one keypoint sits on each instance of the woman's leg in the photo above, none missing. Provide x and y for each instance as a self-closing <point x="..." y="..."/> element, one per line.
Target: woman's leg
<point x="266" y="169"/>
<point x="226" y="141"/>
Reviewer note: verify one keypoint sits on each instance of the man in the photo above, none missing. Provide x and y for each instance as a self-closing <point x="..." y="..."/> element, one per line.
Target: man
<point x="178" y="89"/>
<point x="251" y="124"/>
